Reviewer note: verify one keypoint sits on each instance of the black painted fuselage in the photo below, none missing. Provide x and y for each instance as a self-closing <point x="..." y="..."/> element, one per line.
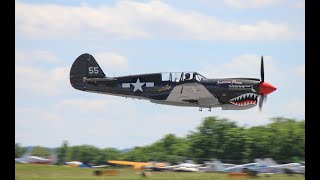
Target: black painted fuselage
<point x="178" y="89"/>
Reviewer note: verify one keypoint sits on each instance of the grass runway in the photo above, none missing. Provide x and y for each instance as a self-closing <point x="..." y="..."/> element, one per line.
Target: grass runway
<point x="44" y="172"/>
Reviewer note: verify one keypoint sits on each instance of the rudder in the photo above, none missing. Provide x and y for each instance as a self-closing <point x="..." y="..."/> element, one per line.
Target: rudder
<point x="218" y="165"/>
<point x="85" y="66"/>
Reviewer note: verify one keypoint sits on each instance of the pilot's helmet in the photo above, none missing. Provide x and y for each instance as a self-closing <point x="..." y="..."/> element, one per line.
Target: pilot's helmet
<point x="187" y="75"/>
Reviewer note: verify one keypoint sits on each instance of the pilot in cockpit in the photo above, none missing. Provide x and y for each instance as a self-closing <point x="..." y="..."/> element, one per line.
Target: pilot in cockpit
<point x="187" y="76"/>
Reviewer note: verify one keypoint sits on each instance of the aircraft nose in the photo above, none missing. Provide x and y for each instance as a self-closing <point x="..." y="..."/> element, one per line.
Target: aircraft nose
<point x="266" y="88"/>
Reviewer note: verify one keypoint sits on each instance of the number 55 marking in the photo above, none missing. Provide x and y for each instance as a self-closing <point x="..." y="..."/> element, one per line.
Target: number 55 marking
<point x="94" y="70"/>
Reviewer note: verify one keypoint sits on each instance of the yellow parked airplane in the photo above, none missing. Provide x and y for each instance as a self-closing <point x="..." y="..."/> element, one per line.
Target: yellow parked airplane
<point x="139" y="165"/>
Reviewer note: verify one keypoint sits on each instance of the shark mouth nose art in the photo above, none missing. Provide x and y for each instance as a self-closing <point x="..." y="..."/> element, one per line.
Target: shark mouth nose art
<point x="245" y="99"/>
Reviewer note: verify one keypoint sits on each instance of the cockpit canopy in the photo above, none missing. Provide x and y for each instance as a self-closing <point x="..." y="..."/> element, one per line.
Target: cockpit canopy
<point x="182" y="76"/>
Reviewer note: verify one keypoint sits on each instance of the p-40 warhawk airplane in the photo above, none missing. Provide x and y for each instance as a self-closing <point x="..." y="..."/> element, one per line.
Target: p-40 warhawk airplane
<point x="172" y="88"/>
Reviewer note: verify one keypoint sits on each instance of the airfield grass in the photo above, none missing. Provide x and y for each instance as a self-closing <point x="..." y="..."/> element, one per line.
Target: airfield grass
<point x="37" y="171"/>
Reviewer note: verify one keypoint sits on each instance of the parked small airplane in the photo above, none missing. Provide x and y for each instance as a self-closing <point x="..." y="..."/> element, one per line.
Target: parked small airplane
<point x="27" y="158"/>
<point x="188" y="166"/>
<point x="289" y="168"/>
<point x="81" y="164"/>
<point x="266" y="166"/>
<point x="138" y="165"/>
<point x="214" y="166"/>
<point x="177" y="89"/>
<point x="257" y="167"/>
<point x="155" y="167"/>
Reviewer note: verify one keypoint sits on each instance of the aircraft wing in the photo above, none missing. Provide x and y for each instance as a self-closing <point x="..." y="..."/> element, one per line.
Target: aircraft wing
<point x="186" y="169"/>
<point x="136" y="165"/>
<point x="99" y="166"/>
<point x="155" y="168"/>
<point x="192" y="93"/>
<point x="20" y="160"/>
<point x="124" y="162"/>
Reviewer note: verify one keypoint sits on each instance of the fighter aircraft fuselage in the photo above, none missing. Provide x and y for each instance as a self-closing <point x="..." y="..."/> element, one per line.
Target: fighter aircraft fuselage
<point x="171" y="88"/>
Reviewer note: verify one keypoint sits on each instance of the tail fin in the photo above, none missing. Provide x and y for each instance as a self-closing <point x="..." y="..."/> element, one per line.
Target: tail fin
<point x="218" y="165"/>
<point x="23" y="158"/>
<point x="270" y="162"/>
<point x="27" y="153"/>
<point x="260" y="161"/>
<point x="53" y="158"/>
<point x="266" y="162"/>
<point x="85" y="66"/>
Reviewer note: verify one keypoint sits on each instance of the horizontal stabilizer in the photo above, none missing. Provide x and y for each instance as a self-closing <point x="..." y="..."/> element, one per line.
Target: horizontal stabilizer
<point x="106" y="79"/>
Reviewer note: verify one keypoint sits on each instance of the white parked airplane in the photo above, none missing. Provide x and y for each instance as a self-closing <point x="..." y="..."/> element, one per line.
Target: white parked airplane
<point x="259" y="168"/>
<point x="214" y="166"/>
<point x="289" y="168"/>
<point x="188" y="166"/>
<point x="27" y="158"/>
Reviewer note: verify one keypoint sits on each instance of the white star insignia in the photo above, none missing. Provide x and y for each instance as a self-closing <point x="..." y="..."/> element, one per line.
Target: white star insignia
<point x="137" y="85"/>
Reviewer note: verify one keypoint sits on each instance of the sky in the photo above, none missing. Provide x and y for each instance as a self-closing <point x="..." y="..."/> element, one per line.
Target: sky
<point x="217" y="39"/>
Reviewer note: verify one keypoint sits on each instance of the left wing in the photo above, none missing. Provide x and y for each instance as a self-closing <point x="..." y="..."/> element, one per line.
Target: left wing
<point x="194" y="93"/>
<point x="124" y="162"/>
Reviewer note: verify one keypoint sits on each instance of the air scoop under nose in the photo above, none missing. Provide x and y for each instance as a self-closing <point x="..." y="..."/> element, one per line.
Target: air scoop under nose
<point x="266" y="88"/>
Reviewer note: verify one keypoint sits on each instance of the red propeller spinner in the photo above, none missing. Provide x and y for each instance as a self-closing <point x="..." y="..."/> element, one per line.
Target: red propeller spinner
<point x="266" y="88"/>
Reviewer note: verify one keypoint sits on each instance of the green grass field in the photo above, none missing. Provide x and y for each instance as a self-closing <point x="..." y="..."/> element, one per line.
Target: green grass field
<point x="35" y="171"/>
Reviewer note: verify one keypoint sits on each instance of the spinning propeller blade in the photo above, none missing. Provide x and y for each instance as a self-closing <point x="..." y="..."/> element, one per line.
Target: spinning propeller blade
<point x="265" y="88"/>
<point x="261" y="98"/>
<point x="262" y="70"/>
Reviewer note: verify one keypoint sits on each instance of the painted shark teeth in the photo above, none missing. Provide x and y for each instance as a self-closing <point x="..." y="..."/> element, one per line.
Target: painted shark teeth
<point x="245" y="99"/>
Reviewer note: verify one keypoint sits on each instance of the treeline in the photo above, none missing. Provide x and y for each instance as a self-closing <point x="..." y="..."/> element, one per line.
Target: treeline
<point x="215" y="138"/>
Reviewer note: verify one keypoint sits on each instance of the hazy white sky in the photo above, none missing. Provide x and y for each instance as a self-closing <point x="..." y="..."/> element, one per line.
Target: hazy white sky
<point x="215" y="38"/>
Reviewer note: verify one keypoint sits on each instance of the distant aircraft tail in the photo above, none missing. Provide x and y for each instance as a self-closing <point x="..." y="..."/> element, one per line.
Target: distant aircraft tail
<point x="266" y="162"/>
<point x="260" y="161"/>
<point x="270" y="161"/>
<point x="53" y="158"/>
<point x="22" y="159"/>
<point x="85" y="66"/>
<point x="218" y="165"/>
<point x="26" y="154"/>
